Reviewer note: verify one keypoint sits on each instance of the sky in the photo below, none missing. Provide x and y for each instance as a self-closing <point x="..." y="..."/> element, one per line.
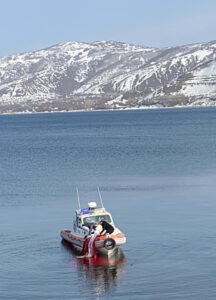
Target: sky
<point x="28" y="25"/>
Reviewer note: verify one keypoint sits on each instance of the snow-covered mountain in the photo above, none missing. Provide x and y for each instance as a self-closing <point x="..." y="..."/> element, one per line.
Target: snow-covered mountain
<point x="108" y="74"/>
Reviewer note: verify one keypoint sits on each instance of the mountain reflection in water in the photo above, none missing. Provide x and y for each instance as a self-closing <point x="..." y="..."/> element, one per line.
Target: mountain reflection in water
<point x="99" y="275"/>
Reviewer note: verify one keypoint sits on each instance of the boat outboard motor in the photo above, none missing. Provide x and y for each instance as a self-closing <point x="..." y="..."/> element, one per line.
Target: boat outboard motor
<point x="109" y="243"/>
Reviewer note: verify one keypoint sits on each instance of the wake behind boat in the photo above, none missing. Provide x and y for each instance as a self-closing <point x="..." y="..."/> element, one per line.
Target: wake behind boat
<point x="81" y="235"/>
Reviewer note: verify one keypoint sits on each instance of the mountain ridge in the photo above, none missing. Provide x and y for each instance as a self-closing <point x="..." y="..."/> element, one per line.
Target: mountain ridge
<point x="108" y="75"/>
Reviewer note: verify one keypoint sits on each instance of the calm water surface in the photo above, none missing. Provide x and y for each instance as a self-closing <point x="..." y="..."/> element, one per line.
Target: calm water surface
<point x="157" y="173"/>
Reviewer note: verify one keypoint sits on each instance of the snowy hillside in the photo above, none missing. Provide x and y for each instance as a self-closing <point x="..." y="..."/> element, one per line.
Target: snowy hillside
<point x="108" y="75"/>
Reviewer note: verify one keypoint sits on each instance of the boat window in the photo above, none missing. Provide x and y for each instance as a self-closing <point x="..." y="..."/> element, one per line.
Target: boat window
<point x="97" y="219"/>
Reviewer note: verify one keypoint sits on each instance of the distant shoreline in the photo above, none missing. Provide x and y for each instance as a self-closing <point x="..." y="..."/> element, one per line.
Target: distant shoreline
<point x="109" y="109"/>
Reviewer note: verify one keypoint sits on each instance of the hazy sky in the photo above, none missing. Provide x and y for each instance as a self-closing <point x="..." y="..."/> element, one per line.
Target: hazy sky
<point x="27" y="25"/>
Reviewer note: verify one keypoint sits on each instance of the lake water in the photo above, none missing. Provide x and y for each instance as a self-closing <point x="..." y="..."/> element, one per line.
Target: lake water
<point x="157" y="173"/>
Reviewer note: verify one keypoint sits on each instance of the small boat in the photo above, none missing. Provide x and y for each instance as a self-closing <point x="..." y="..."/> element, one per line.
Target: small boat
<point x="83" y="223"/>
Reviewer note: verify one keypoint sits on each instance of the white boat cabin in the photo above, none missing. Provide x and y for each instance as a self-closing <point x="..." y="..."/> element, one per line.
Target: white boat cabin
<point x="87" y="217"/>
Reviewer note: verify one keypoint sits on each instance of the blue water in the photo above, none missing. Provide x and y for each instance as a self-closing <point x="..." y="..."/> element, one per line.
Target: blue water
<point x="157" y="173"/>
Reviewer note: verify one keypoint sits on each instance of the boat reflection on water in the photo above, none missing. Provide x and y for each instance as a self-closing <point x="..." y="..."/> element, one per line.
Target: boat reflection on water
<point x="99" y="274"/>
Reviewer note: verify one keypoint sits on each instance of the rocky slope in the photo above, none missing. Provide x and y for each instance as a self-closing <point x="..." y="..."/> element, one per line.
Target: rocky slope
<point x="109" y="74"/>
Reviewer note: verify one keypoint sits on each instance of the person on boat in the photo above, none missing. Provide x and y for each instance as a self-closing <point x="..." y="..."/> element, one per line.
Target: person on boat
<point x="106" y="228"/>
<point x="96" y="231"/>
<point x="86" y="230"/>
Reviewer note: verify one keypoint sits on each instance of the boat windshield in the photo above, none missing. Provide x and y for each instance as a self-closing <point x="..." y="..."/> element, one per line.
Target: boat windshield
<point x="97" y="219"/>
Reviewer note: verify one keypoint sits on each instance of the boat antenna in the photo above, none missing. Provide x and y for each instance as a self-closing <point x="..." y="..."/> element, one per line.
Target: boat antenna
<point x="78" y="198"/>
<point x="101" y="200"/>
